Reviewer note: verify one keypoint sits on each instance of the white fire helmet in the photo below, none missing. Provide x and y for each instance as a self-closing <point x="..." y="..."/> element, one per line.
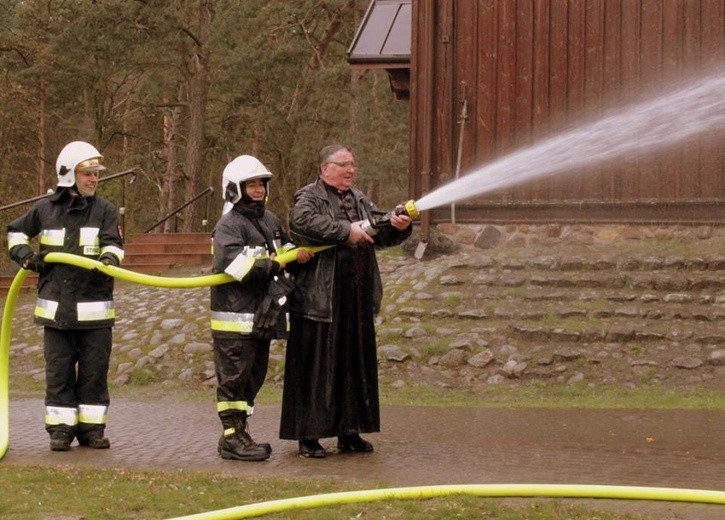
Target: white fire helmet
<point x="243" y="168"/>
<point x="77" y="156"/>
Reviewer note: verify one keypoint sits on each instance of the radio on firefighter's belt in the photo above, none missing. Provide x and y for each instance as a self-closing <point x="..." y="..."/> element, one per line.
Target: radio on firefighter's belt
<point x="380" y="219"/>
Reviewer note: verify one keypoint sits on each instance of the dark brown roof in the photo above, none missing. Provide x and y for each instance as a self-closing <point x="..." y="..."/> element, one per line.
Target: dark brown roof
<point x="384" y="36"/>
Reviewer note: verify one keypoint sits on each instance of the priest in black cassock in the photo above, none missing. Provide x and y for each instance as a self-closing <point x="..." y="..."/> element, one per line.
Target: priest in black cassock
<point x="331" y="378"/>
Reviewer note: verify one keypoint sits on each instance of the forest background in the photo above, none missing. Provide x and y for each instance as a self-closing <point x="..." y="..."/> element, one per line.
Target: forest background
<point x="177" y="88"/>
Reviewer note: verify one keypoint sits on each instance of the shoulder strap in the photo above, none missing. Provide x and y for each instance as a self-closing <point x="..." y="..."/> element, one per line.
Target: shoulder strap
<point x="266" y="233"/>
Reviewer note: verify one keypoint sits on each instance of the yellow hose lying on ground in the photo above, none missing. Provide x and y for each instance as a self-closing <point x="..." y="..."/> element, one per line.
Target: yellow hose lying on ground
<point x="116" y="272"/>
<point x="483" y="490"/>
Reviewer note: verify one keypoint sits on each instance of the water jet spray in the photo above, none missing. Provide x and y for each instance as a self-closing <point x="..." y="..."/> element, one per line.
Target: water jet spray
<point x="692" y="110"/>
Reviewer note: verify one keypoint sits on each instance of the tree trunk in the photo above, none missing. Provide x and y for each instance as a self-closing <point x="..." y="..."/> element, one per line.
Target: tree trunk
<point x="171" y="179"/>
<point x="42" y="133"/>
<point x="198" y="89"/>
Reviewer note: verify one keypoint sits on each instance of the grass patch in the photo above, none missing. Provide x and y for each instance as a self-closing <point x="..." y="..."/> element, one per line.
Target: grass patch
<point x="530" y="394"/>
<point x="550" y="320"/>
<point x="395" y="252"/>
<point x="536" y="394"/>
<point x="453" y="299"/>
<point x="514" y="293"/>
<point x="647" y="376"/>
<point x="142" y="377"/>
<point x="436" y="348"/>
<point x="636" y="350"/>
<point x="667" y="247"/>
<point x="32" y="492"/>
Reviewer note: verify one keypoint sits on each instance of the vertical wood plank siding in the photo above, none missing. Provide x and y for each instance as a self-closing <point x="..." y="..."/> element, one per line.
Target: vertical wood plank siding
<point x="530" y="68"/>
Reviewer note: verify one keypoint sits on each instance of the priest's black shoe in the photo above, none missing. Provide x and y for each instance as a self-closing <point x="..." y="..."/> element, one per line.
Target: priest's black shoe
<point x="353" y="444"/>
<point x="312" y="449"/>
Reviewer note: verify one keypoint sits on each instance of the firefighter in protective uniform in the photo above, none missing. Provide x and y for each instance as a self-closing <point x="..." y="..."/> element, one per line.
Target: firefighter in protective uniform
<point x="248" y="313"/>
<point x="74" y="305"/>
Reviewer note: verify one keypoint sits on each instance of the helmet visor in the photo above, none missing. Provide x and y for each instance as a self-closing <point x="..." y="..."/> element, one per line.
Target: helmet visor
<point x="91" y="165"/>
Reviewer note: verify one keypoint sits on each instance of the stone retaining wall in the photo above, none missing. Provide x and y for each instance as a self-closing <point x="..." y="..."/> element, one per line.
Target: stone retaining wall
<point x="487" y="236"/>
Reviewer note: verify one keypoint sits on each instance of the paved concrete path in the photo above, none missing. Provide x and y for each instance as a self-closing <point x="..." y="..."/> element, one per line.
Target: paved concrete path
<point x="423" y="446"/>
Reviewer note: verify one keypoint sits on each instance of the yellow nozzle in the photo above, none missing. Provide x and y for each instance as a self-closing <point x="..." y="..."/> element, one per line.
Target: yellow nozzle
<point x="411" y="210"/>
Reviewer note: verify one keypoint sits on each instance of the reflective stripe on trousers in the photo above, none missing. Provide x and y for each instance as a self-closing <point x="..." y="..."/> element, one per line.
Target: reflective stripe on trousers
<point x="242" y="322"/>
<point x="55" y="415"/>
<point x="242" y="406"/>
<point x="92" y="413"/>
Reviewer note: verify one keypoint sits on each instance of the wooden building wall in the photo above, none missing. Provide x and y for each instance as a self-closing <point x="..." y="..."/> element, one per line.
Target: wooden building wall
<point x="529" y="68"/>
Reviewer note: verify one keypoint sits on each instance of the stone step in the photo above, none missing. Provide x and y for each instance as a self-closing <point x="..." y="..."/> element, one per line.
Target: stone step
<point x="557" y="311"/>
<point x="611" y="280"/>
<point x="622" y="332"/>
<point x="710" y="262"/>
<point x="144" y="248"/>
<point x="540" y="294"/>
<point x="168" y="259"/>
<point x="178" y="238"/>
<point x="492" y="319"/>
<point x="155" y="253"/>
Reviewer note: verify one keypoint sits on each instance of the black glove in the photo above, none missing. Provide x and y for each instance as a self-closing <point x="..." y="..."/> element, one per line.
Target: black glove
<point x="265" y="319"/>
<point x="108" y="259"/>
<point x="35" y="262"/>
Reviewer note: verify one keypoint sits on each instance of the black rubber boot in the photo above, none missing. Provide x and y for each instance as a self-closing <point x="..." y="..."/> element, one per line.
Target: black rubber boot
<point x="60" y="441"/>
<point x="235" y="443"/>
<point x="245" y="432"/>
<point x="94" y="439"/>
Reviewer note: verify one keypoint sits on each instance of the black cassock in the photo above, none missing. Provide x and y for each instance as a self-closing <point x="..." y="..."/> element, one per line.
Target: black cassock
<point x="331" y="374"/>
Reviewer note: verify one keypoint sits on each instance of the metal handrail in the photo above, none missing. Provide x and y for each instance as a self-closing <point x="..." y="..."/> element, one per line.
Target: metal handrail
<point x="132" y="171"/>
<point x="207" y="191"/>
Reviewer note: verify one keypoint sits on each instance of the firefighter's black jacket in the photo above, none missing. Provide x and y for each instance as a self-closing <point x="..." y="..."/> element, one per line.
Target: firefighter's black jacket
<point x="233" y="304"/>
<point x="85" y="226"/>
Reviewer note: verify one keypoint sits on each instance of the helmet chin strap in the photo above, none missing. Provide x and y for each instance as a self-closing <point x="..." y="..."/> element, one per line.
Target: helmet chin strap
<point x="249" y="200"/>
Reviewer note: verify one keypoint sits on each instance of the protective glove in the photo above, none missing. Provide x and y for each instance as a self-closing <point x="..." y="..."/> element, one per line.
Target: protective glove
<point x="279" y="288"/>
<point x="35" y="262"/>
<point x="108" y="259"/>
<point x="267" y="314"/>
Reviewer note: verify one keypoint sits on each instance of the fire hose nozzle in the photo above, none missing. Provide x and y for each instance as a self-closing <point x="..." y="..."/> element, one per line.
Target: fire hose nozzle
<point x="408" y="209"/>
<point x="380" y="219"/>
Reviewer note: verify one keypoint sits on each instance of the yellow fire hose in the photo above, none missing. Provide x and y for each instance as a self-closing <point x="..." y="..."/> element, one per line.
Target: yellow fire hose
<point x="483" y="490"/>
<point x="275" y="506"/>
<point x="5" y="358"/>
